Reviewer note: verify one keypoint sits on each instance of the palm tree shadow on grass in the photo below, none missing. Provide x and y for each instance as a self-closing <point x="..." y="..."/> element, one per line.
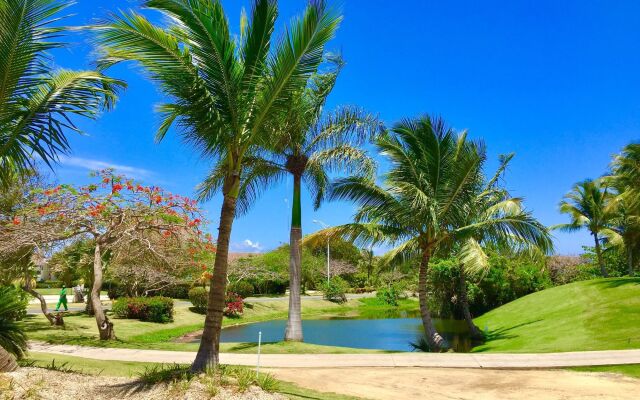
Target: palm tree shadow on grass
<point x="502" y="333"/>
<point x="612" y="283"/>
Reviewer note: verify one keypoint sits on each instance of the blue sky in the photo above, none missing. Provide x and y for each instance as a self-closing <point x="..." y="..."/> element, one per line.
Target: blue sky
<point x="558" y="83"/>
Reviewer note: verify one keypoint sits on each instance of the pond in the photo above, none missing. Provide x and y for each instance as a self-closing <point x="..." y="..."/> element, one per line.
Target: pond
<point x="394" y="334"/>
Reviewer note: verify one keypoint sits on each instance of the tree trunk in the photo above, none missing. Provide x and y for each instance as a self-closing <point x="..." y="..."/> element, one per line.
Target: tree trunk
<point x="7" y="361"/>
<point x="630" y="260"/>
<point x="105" y="327"/>
<point x="208" y="352"/>
<point x="293" y="331"/>
<point x="603" y="269"/>
<point x="474" y="331"/>
<point x="53" y="320"/>
<point x="436" y="342"/>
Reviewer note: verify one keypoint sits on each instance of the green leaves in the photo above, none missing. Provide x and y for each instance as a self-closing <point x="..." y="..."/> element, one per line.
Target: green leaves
<point x="37" y="104"/>
<point x="225" y="94"/>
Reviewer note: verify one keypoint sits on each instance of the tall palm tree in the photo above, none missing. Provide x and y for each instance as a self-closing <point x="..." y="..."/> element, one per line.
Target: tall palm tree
<point x="625" y="178"/>
<point x="421" y="207"/>
<point x="311" y="146"/>
<point x="13" y="342"/>
<point x="223" y="93"/>
<point x="37" y="103"/>
<point x="494" y="202"/>
<point x="588" y="207"/>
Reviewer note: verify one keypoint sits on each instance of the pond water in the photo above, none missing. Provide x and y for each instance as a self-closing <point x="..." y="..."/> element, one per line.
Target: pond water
<point x="395" y="334"/>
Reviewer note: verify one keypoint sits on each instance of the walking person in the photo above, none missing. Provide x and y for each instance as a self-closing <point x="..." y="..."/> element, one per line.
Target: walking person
<point x="63" y="299"/>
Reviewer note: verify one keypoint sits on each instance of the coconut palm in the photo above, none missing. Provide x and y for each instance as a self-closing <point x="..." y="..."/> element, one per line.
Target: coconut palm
<point x="37" y="103"/>
<point x="422" y="206"/>
<point x="223" y="92"/>
<point x="494" y="202"/>
<point x="588" y="206"/>
<point x="311" y="146"/>
<point x="13" y="342"/>
<point x="624" y="233"/>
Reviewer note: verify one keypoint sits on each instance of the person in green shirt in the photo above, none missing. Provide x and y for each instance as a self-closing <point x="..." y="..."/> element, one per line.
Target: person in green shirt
<point x="63" y="299"/>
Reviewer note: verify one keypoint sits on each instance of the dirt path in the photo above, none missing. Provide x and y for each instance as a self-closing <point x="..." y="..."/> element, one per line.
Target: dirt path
<point x="472" y="384"/>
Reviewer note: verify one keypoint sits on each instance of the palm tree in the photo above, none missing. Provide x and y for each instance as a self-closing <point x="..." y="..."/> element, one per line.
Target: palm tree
<point x="311" y="146"/>
<point x="625" y="178"/>
<point x="494" y="202"/>
<point x="37" y="102"/>
<point x="588" y="206"/>
<point x="13" y="342"/>
<point x="422" y="206"/>
<point x="223" y="94"/>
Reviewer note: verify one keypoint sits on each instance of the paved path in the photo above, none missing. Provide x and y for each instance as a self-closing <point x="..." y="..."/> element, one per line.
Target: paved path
<point x="446" y="360"/>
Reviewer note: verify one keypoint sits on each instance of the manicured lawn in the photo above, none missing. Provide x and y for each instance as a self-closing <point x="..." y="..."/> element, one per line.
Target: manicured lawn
<point x="601" y="314"/>
<point x="81" y="329"/>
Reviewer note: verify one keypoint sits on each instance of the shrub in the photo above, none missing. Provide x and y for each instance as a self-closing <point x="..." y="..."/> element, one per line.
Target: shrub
<point x="153" y="309"/>
<point x="199" y="297"/>
<point x="243" y="288"/>
<point x="177" y="291"/>
<point x="388" y="295"/>
<point x="234" y="305"/>
<point x="335" y="290"/>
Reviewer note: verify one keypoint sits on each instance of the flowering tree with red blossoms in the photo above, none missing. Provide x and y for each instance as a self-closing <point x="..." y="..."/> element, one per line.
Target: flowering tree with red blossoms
<point x="117" y="215"/>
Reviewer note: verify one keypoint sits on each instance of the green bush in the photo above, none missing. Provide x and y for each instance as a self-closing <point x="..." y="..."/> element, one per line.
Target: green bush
<point x="199" y="297"/>
<point x="243" y="288"/>
<point x="153" y="309"/>
<point x="177" y="291"/>
<point x="388" y="295"/>
<point x="335" y="290"/>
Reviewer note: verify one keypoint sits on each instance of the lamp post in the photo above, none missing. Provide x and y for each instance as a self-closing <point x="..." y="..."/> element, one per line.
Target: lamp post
<point x="324" y="226"/>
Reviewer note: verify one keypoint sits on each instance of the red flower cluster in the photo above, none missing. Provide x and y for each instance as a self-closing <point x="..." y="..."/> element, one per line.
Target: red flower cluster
<point x="116" y="188"/>
<point x="94" y="211"/>
<point x="16" y="221"/>
<point x="234" y="305"/>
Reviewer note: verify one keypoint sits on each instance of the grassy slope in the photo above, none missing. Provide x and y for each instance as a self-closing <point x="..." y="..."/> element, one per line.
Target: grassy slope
<point x="601" y="314"/>
<point x="81" y="329"/>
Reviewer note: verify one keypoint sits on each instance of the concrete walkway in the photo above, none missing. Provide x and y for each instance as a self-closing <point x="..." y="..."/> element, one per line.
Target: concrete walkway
<point x="446" y="360"/>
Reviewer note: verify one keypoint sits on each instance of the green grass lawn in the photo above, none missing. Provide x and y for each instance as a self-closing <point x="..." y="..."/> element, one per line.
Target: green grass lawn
<point x="601" y="314"/>
<point x="81" y="329"/>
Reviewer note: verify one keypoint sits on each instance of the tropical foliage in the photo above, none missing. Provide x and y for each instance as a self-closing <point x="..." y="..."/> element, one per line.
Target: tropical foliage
<point x="13" y="342"/>
<point x="423" y="206"/>
<point x="38" y="103"/>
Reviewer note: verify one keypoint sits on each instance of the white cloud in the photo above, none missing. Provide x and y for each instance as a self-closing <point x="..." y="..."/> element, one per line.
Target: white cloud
<point x="247" y="246"/>
<point x="92" y="165"/>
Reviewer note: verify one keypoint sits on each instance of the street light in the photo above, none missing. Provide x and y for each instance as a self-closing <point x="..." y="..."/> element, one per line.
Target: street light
<point x="324" y="226"/>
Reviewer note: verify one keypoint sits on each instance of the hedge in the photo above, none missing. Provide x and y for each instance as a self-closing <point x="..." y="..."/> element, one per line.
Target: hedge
<point x="153" y="309"/>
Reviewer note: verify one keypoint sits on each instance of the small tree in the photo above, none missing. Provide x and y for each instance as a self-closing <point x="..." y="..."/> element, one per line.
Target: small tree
<point x="115" y="213"/>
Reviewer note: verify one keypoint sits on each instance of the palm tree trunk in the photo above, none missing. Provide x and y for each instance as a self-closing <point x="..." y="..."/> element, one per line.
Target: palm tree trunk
<point x="474" y="331"/>
<point x="293" y="332"/>
<point x="7" y="361"/>
<point x="603" y="268"/>
<point x="208" y="355"/>
<point x="105" y="327"/>
<point x="436" y="342"/>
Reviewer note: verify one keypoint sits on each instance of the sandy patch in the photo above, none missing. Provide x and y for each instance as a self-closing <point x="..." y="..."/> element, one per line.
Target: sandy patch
<point x="42" y="384"/>
<point x="472" y="384"/>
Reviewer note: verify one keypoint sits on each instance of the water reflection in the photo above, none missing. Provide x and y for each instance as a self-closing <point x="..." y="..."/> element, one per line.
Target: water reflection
<point x="395" y="334"/>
